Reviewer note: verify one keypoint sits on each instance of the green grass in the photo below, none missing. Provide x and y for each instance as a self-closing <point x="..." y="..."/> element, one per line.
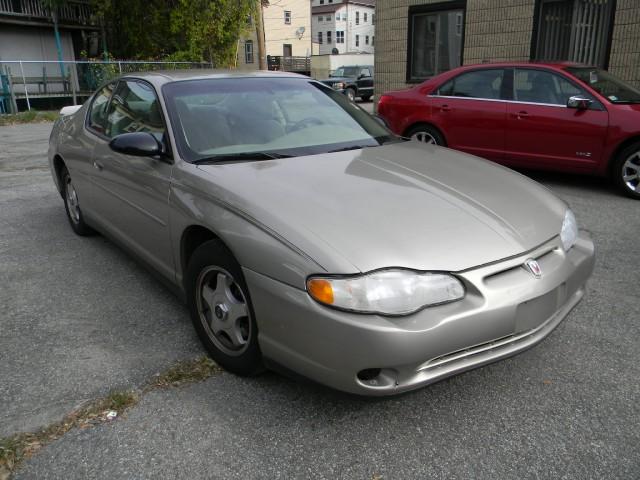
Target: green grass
<point x="31" y="116"/>
<point x="18" y="447"/>
<point x="190" y="371"/>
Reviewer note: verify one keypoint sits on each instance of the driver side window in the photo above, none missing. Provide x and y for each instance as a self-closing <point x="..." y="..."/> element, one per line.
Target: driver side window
<point x="98" y="111"/>
<point x="134" y="108"/>
<point x="539" y="86"/>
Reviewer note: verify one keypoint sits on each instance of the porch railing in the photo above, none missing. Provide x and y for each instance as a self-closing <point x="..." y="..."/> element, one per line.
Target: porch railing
<point x="24" y="81"/>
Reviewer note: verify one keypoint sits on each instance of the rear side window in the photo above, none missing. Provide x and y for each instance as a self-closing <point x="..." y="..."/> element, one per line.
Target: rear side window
<point x="134" y="108"/>
<point x="477" y="84"/>
<point x="98" y="111"/>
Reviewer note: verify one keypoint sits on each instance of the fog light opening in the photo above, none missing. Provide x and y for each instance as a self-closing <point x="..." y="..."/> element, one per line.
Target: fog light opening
<point x="378" y="377"/>
<point x="368" y="374"/>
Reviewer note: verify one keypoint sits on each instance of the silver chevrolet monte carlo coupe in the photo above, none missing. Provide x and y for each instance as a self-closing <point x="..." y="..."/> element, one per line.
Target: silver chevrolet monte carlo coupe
<point x="304" y="235"/>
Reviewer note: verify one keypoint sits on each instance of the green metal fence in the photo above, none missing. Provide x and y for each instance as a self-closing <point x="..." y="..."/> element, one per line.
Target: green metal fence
<point x="22" y="82"/>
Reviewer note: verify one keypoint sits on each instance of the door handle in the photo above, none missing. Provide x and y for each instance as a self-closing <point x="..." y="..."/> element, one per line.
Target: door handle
<point x="521" y="114"/>
<point x="97" y="165"/>
<point x="445" y="108"/>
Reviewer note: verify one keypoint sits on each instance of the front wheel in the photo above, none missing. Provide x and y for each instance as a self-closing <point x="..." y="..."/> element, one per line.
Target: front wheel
<point x="221" y="310"/>
<point x="626" y="171"/>
<point x="351" y="94"/>
<point x="426" y="134"/>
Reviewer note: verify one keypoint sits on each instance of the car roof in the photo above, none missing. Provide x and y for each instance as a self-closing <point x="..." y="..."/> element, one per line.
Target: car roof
<point x="560" y="65"/>
<point x="166" y="76"/>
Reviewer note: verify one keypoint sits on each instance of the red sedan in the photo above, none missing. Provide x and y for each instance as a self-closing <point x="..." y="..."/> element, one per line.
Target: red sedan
<point x="559" y="116"/>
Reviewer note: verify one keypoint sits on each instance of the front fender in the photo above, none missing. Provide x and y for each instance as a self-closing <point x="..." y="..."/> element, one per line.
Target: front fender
<point x="252" y="244"/>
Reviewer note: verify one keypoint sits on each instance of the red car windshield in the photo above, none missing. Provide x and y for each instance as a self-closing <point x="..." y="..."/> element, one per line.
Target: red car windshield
<point x="610" y="87"/>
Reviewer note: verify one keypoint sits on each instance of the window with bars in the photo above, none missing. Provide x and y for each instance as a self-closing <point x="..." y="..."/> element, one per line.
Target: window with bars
<point x="340" y="37"/>
<point x="248" y="51"/>
<point x="287" y="17"/>
<point x="329" y="37"/>
<point x="319" y="37"/>
<point x="573" y="30"/>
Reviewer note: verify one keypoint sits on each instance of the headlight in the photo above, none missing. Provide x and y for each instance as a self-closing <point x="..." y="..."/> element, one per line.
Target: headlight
<point x="569" y="231"/>
<point x="338" y="86"/>
<point x="386" y="292"/>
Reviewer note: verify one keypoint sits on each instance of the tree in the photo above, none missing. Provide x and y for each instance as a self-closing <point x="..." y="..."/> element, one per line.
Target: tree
<point x="209" y="29"/>
<point x="189" y="30"/>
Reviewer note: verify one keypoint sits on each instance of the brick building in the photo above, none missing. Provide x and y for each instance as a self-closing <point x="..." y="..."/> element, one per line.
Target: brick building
<point x="421" y="38"/>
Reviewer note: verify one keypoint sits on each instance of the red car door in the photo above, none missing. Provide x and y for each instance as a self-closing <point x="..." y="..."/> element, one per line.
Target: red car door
<point x="543" y="132"/>
<point x="471" y="113"/>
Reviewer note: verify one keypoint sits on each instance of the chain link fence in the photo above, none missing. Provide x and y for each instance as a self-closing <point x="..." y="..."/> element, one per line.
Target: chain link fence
<point x="25" y="84"/>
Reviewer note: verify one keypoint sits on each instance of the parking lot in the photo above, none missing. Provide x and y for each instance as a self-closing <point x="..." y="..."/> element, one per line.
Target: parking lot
<point x="79" y="318"/>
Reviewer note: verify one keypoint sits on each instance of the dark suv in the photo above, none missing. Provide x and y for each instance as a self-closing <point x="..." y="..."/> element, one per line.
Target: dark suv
<point x="352" y="80"/>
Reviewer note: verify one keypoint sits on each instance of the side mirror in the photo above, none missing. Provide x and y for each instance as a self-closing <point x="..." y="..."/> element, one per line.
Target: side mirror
<point x="362" y="75"/>
<point x="579" y="102"/>
<point x="140" y="144"/>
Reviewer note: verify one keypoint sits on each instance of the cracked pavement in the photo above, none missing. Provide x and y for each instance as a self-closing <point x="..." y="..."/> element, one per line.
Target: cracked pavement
<point x="78" y="318"/>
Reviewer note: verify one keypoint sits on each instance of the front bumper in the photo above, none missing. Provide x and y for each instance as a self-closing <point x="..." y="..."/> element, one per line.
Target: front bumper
<point x="506" y="310"/>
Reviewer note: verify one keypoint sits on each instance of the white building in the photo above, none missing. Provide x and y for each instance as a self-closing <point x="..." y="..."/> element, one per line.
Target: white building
<point x="287" y="32"/>
<point x="345" y="25"/>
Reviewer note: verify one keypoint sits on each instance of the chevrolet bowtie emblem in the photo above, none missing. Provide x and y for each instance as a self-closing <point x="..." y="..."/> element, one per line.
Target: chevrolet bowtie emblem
<point x="533" y="267"/>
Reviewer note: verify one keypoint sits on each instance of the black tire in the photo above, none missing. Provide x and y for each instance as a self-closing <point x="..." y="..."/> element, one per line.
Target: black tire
<point x="213" y="258"/>
<point x="74" y="213"/>
<point x="426" y="131"/>
<point x="351" y="94"/>
<point x="625" y="171"/>
<point x="366" y="98"/>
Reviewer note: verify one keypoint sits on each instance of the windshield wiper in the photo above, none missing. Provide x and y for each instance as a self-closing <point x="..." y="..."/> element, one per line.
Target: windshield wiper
<point x="352" y="147"/>
<point x="240" y="157"/>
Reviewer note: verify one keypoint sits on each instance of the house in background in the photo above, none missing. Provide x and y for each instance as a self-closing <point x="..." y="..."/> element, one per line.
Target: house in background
<point x="418" y="39"/>
<point x="287" y="34"/>
<point x="343" y="25"/>
<point x="26" y="33"/>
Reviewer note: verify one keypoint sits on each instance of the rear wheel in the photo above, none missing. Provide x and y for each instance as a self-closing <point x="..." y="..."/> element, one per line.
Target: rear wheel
<point x="426" y="134"/>
<point x="72" y="205"/>
<point x="221" y="309"/>
<point x="626" y="171"/>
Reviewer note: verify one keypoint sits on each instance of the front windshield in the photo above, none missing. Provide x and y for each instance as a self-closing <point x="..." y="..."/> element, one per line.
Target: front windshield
<point x="281" y="116"/>
<point x="610" y="87"/>
<point x="345" y="72"/>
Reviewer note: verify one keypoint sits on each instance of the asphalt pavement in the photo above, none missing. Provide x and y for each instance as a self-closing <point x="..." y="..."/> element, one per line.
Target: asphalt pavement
<point x="78" y="317"/>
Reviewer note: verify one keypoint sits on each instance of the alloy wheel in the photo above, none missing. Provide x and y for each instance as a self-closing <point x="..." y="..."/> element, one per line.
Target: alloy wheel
<point x="351" y="94"/>
<point x="71" y="198"/>
<point x="631" y="172"/>
<point x="223" y="310"/>
<point x="424" y="137"/>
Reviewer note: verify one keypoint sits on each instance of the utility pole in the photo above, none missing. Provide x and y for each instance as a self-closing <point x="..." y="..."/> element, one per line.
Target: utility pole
<point x="262" y="54"/>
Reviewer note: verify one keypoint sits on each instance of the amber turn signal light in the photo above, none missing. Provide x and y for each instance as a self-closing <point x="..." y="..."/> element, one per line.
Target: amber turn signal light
<point x="320" y="290"/>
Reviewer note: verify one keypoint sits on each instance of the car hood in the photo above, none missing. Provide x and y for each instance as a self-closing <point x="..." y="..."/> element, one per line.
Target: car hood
<point x="401" y="205"/>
